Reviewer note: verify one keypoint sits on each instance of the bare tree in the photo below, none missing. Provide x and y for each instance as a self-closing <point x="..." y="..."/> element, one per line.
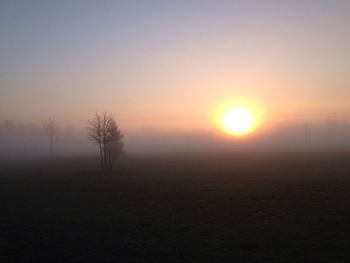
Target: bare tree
<point x="50" y="130"/>
<point x="104" y="131"/>
<point x="114" y="143"/>
<point x="95" y="134"/>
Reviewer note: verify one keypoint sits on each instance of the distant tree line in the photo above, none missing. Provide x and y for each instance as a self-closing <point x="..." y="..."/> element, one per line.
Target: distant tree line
<point x="105" y="133"/>
<point x="103" y="130"/>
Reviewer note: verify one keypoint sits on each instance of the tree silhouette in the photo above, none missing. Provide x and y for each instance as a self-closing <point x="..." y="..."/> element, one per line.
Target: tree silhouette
<point x="104" y="131"/>
<point x="95" y="134"/>
<point x="50" y="130"/>
<point x="115" y="145"/>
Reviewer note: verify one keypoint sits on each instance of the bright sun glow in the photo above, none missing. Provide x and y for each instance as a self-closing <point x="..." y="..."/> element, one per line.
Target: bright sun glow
<point x="238" y="117"/>
<point x="238" y="121"/>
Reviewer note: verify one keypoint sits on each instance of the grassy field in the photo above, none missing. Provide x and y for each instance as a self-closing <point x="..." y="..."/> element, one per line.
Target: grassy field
<point x="207" y="208"/>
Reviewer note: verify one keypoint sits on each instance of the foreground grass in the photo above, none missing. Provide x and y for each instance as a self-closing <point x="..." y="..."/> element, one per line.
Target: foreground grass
<point x="238" y="207"/>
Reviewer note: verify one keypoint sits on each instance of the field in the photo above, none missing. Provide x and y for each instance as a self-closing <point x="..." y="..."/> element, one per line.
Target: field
<point x="277" y="207"/>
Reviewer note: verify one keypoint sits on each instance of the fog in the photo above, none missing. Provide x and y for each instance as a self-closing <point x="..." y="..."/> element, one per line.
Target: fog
<point x="172" y="64"/>
<point x="25" y="141"/>
<point x="19" y="141"/>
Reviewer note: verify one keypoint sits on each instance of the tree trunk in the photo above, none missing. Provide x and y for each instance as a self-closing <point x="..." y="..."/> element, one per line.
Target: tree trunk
<point x="101" y="155"/>
<point x="110" y="159"/>
<point x="105" y="153"/>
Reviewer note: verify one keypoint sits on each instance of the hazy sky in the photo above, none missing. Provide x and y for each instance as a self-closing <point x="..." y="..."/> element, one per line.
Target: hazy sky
<point x="172" y="62"/>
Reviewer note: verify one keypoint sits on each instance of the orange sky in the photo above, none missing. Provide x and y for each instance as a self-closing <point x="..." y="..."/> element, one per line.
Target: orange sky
<point x="171" y="66"/>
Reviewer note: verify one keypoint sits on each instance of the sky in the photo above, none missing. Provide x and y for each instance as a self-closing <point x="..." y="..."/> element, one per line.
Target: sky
<point x="171" y="64"/>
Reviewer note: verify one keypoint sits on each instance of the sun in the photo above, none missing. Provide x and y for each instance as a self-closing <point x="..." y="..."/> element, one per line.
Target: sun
<point x="238" y="121"/>
<point x="239" y="117"/>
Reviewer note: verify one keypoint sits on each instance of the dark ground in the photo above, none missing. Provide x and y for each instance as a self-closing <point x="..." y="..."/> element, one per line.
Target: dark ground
<point x="237" y="208"/>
